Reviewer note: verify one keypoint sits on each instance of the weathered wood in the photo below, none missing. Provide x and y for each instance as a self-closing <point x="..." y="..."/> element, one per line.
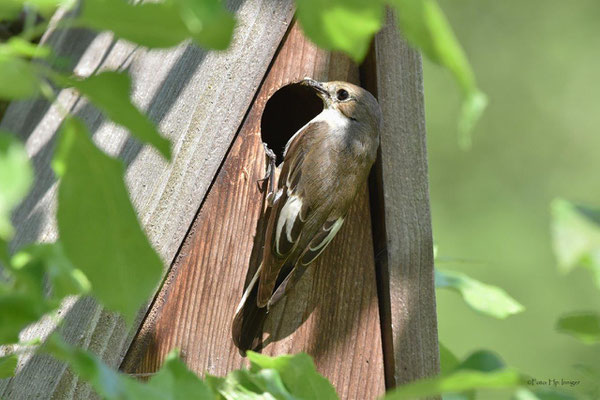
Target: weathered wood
<point x="333" y="312"/>
<point x="402" y="221"/>
<point x="199" y="100"/>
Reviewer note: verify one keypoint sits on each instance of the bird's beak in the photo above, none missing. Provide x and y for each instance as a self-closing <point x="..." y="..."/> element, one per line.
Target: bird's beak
<point x="318" y="87"/>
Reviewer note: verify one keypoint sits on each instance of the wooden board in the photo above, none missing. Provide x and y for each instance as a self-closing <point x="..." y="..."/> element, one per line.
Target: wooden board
<point x="402" y="220"/>
<point x="199" y="100"/>
<point x="333" y="313"/>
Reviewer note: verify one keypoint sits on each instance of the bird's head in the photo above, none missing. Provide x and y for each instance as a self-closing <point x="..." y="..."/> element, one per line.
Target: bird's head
<point x="354" y="102"/>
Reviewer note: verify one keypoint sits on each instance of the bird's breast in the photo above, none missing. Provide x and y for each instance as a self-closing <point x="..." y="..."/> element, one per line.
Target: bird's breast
<point x="338" y="123"/>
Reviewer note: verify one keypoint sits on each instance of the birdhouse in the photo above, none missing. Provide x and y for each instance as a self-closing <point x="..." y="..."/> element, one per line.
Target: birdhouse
<point x="335" y="311"/>
<point x="365" y="309"/>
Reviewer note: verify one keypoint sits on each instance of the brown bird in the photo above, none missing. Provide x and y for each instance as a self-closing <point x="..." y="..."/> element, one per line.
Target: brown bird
<point x="325" y="164"/>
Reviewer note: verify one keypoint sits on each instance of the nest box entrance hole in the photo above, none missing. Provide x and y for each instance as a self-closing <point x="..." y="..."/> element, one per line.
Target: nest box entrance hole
<point x="288" y="110"/>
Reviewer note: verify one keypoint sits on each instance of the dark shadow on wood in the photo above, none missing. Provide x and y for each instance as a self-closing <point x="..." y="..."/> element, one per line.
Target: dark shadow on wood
<point x="368" y="78"/>
<point x="166" y="96"/>
<point x="247" y="332"/>
<point x="69" y="46"/>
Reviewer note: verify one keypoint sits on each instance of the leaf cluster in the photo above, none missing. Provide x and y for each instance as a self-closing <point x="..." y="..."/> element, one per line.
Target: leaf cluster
<point x="575" y="232"/>
<point x="349" y="26"/>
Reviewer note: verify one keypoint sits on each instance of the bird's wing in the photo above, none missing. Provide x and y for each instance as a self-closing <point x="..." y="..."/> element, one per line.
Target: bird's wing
<point x="314" y="248"/>
<point x="289" y="214"/>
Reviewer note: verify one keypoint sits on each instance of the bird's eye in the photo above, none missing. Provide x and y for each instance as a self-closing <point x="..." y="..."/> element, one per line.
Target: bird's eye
<point x="342" y="95"/>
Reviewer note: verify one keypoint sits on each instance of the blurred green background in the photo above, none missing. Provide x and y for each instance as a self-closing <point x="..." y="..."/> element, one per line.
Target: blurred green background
<point x="539" y="63"/>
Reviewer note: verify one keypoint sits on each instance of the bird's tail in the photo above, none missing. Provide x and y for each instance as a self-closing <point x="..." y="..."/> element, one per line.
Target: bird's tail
<point x="249" y="319"/>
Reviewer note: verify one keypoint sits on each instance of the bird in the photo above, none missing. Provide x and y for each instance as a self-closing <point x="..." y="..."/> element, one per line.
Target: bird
<point x="325" y="164"/>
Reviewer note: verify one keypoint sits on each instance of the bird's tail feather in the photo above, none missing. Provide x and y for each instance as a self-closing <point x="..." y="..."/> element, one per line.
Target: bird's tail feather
<point x="248" y="322"/>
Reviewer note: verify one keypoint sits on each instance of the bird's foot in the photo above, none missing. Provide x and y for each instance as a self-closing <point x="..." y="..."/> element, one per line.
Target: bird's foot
<point x="270" y="173"/>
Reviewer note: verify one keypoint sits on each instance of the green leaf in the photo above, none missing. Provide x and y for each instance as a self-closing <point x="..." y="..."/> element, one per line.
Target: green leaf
<point x="473" y="106"/>
<point x="175" y="381"/>
<point x="16" y="176"/>
<point x="98" y="226"/>
<point x="18" y="311"/>
<point x="214" y="382"/>
<point x="482" y="360"/>
<point x="346" y="25"/>
<point x="584" y="326"/>
<point x="459" y="381"/>
<point x="22" y="299"/>
<point x="298" y="374"/>
<point x="64" y="277"/>
<point x="18" y="79"/>
<point x="425" y="26"/>
<point x="10" y="9"/>
<point x="8" y="365"/>
<point x="148" y="24"/>
<point x="270" y="382"/>
<point x="17" y="46"/>
<point x="107" y="382"/>
<point x="448" y="361"/>
<point x="576" y="236"/>
<point x="162" y="24"/>
<point x="4" y="256"/>
<point x="208" y="23"/>
<point x="110" y="92"/>
<point x="486" y="299"/>
<point x="28" y="279"/>
<point x="245" y="385"/>
<point x="48" y="7"/>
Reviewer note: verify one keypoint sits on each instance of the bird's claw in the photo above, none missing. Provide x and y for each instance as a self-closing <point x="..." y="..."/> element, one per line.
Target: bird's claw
<point x="270" y="173"/>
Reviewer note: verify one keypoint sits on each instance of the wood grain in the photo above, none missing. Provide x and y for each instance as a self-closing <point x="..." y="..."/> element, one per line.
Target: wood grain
<point x="333" y="312"/>
<point x="198" y="99"/>
<point x="402" y="220"/>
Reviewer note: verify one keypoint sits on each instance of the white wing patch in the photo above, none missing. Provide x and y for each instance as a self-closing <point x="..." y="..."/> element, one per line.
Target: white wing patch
<point x="332" y="231"/>
<point x="317" y="245"/>
<point x="287" y="216"/>
<point x="277" y="196"/>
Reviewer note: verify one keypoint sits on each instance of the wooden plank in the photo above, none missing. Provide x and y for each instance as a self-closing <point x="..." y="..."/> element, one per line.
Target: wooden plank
<point x="332" y="314"/>
<point x="402" y="220"/>
<point x="199" y="100"/>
